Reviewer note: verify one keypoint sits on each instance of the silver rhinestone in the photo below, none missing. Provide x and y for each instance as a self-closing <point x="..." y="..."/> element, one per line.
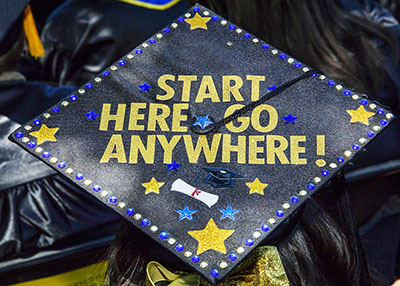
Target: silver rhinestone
<point x="274" y="52"/>
<point x="113" y="68"/>
<point x="153" y="228"/>
<point x="137" y="216"/>
<point x="322" y="77"/>
<point x="129" y="56"/>
<point x="87" y="182"/>
<point x="121" y="205"/>
<point x="104" y="194"/>
<point x="347" y="153"/>
<point x="224" y="22"/>
<point x="271" y="220"/>
<point x="25" y="139"/>
<point x="174" y="25"/>
<point x="290" y="60"/>
<point x="303" y="193"/>
<point x="286" y="206"/>
<point x="171" y="241"/>
<point x="203" y="264"/>
<point x="339" y="87"/>
<point x="389" y="116"/>
<point x="206" y="13"/>
<point x="81" y="91"/>
<point x="239" y="31"/>
<point x="256" y="234"/>
<point x="187" y="15"/>
<point x="28" y="127"/>
<point x="69" y="171"/>
<point x="362" y="140"/>
<point x="355" y="97"/>
<point x="53" y="160"/>
<point x="255" y="40"/>
<point x="187" y="254"/>
<point x="317" y="180"/>
<point x="97" y="79"/>
<point x="306" y="69"/>
<point x="39" y="150"/>
<point x="372" y="106"/>
<point x="376" y="128"/>
<point x="159" y="36"/>
<point x="145" y="45"/>
<point x="240" y="250"/>
<point x="333" y="165"/>
<point x="46" y="115"/>
<point x="223" y="265"/>
<point x="64" y="103"/>
<point x="229" y="44"/>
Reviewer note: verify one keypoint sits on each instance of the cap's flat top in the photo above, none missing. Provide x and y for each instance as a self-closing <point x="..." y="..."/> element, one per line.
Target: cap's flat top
<point x="127" y="138"/>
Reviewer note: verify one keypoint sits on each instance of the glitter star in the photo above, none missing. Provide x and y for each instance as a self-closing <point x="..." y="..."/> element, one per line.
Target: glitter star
<point x="153" y="186"/>
<point x="271" y="88"/>
<point x="185" y="213"/>
<point x="198" y="22"/>
<point x="229" y="212"/>
<point x="45" y="134"/>
<point x="290" y="119"/>
<point x="256" y="187"/>
<point x="202" y="121"/>
<point x="91" y="115"/>
<point x="360" y="115"/>
<point x="144" y="87"/>
<point x="173" y="166"/>
<point x="211" y="237"/>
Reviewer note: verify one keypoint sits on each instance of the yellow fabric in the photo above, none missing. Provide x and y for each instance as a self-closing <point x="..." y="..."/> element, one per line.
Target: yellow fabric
<point x="32" y="36"/>
<point x="92" y="275"/>
<point x="262" y="267"/>
<point x="151" y="6"/>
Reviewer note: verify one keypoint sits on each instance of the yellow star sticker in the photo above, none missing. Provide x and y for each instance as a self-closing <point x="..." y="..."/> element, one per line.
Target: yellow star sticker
<point x="256" y="187"/>
<point x="360" y="115"/>
<point x="198" y="22"/>
<point x="153" y="186"/>
<point x="45" y="134"/>
<point x="211" y="237"/>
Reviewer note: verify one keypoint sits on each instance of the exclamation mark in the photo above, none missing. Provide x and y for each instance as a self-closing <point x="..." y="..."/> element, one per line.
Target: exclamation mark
<point x="320" y="150"/>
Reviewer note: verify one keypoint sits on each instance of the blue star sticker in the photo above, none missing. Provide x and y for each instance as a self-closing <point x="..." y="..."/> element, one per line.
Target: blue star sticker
<point x="271" y="88"/>
<point x="229" y="212"/>
<point x="173" y="166"/>
<point x="185" y="213"/>
<point x="144" y="87"/>
<point x="91" y="115"/>
<point x="290" y="119"/>
<point x="202" y="121"/>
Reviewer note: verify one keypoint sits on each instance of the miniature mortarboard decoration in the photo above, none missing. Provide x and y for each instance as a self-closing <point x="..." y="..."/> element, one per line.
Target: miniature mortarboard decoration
<point x="205" y="137"/>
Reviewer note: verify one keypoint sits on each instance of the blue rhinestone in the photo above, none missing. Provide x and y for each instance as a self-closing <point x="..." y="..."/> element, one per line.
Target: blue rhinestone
<point x="79" y="176"/>
<point x="196" y="9"/>
<point x="89" y="85"/>
<point x="232" y="27"/>
<point x="31" y="144"/>
<point x="247" y="36"/>
<point x="152" y="41"/>
<point x="355" y="147"/>
<point x="36" y="121"/>
<point x="19" y="134"/>
<point x="96" y="188"/>
<point x="294" y="199"/>
<point x="340" y="159"/>
<point x="383" y="122"/>
<point x="145" y="222"/>
<point x="249" y="242"/>
<point x="279" y="213"/>
<point x="179" y="247"/>
<point x="265" y="46"/>
<point x="214" y="18"/>
<point x="73" y="97"/>
<point x="232" y="257"/>
<point x="46" y="154"/>
<point x="364" y="102"/>
<point x="106" y="73"/>
<point x="167" y="30"/>
<point x="113" y="200"/>
<point x="181" y="20"/>
<point x="325" y="172"/>
<point x="347" y="92"/>
<point x="380" y="111"/>
<point x="56" y="109"/>
<point x="297" y="65"/>
<point x="163" y="235"/>
<point x="310" y="187"/>
<point x="195" y="259"/>
<point x="121" y="63"/>
<point x="139" y="51"/>
<point x="314" y="74"/>
<point x="61" y="165"/>
<point x="264" y="227"/>
<point x="370" y="133"/>
<point x="130" y="211"/>
<point x="214" y="272"/>
<point x="331" y="82"/>
<point x="283" y="56"/>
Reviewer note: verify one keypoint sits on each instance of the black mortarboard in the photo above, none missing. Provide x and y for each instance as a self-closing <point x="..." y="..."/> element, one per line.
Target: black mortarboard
<point x="203" y="95"/>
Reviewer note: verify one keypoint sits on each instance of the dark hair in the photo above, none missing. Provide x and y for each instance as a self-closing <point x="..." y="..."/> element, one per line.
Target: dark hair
<point x="318" y="33"/>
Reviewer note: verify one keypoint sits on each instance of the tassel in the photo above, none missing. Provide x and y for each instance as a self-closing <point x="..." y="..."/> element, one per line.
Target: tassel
<point x="32" y="36"/>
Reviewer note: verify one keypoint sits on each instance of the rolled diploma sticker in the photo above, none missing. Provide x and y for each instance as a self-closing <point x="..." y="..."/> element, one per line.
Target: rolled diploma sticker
<point x="182" y="187"/>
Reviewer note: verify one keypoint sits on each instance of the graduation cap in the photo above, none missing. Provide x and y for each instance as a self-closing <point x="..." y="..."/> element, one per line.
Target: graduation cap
<point x="203" y="94"/>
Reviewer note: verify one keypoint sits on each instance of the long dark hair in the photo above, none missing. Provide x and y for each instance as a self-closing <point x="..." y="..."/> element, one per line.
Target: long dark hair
<point x="319" y="33"/>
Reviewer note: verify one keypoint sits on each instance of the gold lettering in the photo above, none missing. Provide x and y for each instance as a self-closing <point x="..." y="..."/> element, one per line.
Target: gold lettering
<point x="256" y="114"/>
<point x="106" y="117"/>
<point x="178" y="117"/>
<point x="255" y="85"/>
<point x="202" y="145"/>
<point x="147" y="152"/>
<point x="227" y="89"/>
<point x="117" y="144"/>
<point x="169" y="91"/>
<point x="240" y="149"/>
<point x="207" y="90"/>
<point x="295" y="150"/>
<point x="254" y="149"/>
<point x="134" y="116"/>
<point x="273" y="150"/>
<point x="154" y="117"/>
<point x="320" y="145"/>
<point x="187" y="85"/>
<point x="245" y="121"/>
<point x="168" y="146"/>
